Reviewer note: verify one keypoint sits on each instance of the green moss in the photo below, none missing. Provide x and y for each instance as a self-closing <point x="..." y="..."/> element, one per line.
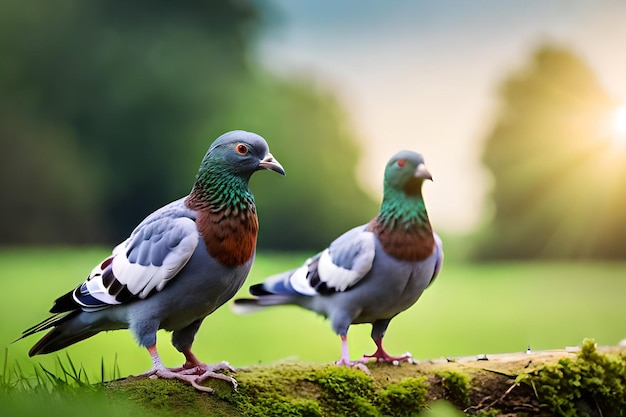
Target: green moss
<point x="488" y="413"/>
<point x="259" y="402"/>
<point x="441" y="408"/>
<point x="345" y="391"/>
<point x="404" y="398"/>
<point x="590" y="384"/>
<point x="264" y="392"/>
<point x="456" y="386"/>
<point x="160" y="394"/>
<point x="312" y="391"/>
<point x="272" y="404"/>
<point x="169" y="397"/>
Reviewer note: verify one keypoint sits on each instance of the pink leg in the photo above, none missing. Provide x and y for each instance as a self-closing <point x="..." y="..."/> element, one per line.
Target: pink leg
<point x="345" y="353"/>
<point x="382" y="356"/>
<point x="345" y="357"/>
<point x="191" y="363"/>
<point x="192" y="372"/>
<point x="190" y="359"/>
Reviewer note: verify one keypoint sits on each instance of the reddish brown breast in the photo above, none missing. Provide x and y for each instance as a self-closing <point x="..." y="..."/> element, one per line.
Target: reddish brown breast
<point x="229" y="237"/>
<point x="413" y="244"/>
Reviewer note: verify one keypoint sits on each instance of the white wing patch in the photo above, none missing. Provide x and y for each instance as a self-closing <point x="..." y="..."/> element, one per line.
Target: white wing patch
<point x="147" y="261"/>
<point x="142" y="279"/>
<point x="299" y="280"/>
<point x="359" y="255"/>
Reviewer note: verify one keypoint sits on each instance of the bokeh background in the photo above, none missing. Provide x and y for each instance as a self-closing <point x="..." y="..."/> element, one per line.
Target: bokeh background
<point x="107" y="107"/>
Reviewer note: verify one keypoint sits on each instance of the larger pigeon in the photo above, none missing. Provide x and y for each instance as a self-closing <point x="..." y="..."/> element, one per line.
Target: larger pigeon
<point x="180" y="264"/>
<point x="371" y="273"/>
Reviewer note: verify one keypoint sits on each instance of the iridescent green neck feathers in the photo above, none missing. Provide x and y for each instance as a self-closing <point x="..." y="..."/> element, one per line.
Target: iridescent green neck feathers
<point x="402" y="225"/>
<point x="400" y="211"/>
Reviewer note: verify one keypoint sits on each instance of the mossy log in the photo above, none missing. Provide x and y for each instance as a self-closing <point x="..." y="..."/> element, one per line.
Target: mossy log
<point x="586" y="381"/>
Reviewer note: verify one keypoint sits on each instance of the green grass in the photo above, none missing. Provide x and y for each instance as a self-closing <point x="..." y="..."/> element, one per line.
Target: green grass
<point x="65" y="392"/>
<point x="470" y="309"/>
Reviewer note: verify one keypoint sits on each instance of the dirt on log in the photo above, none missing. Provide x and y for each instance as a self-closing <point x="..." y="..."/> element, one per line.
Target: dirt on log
<point x="582" y="381"/>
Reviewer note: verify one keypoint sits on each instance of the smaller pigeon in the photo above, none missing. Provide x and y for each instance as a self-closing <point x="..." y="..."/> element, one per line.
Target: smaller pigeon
<point x="371" y="273"/>
<point x="178" y="266"/>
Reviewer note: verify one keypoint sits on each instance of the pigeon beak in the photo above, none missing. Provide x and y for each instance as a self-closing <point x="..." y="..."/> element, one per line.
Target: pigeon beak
<point x="272" y="164"/>
<point x="422" y="172"/>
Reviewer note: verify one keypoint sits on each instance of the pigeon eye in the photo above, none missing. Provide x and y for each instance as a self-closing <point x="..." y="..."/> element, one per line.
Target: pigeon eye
<point x="401" y="162"/>
<point x="242" y="149"/>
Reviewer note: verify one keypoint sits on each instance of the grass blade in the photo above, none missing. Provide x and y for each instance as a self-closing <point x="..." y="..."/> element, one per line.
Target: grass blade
<point x="5" y="367"/>
<point x="75" y="375"/>
<point x="117" y="374"/>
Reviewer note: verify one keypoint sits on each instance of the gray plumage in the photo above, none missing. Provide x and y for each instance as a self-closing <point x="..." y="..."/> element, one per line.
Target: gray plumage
<point x="371" y="273"/>
<point x="178" y="265"/>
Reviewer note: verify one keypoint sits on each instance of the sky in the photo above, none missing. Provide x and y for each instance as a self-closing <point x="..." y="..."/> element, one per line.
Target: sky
<point x="424" y="75"/>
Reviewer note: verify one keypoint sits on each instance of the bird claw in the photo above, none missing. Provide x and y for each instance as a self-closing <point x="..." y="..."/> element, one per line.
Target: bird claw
<point x="195" y="375"/>
<point x="149" y="374"/>
<point x="196" y="370"/>
<point x="362" y="367"/>
<point x="223" y="366"/>
<point x="354" y="364"/>
<point x="394" y="360"/>
<point x="215" y="375"/>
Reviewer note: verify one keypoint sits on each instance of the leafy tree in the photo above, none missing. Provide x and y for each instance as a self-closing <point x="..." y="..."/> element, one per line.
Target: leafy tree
<point x="129" y="80"/>
<point x="556" y="176"/>
<point x="110" y="105"/>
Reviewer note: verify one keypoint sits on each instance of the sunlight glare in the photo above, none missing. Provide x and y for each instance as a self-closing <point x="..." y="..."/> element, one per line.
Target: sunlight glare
<point x="618" y="124"/>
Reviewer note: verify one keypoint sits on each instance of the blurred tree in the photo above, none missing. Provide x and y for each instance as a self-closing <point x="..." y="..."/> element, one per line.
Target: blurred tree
<point x="41" y="178"/>
<point x="114" y="103"/>
<point x="130" y="80"/>
<point x="558" y="183"/>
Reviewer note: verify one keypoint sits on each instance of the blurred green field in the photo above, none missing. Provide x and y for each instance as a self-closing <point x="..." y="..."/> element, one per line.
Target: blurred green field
<point x="470" y="309"/>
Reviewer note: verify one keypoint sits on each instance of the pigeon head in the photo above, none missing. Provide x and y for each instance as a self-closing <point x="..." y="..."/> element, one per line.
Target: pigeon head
<point x="406" y="171"/>
<point x="239" y="153"/>
<point x="403" y="207"/>
<point x="227" y="167"/>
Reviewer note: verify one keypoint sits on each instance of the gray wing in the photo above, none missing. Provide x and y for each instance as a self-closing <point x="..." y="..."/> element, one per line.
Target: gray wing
<point x="344" y="263"/>
<point x="154" y="253"/>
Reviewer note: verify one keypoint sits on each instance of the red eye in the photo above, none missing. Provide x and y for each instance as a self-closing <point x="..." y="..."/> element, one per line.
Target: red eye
<point x="401" y="162"/>
<point x="242" y="149"/>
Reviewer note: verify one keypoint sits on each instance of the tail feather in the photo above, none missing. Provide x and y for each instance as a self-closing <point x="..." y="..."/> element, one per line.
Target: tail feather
<point x="259" y="290"/>
<point x="44" y="325"/>
<point x="275" y="290"/>
<point x="276" y="284"/>
<point x="290" y="283"/>
<point x="65" y="303"/>
<point x="244" y="306"/>
<point x="67" y="329"/>
<point x="57" y="339"/>
<point x="252" y="305"/>
<point x="48" y="323"/>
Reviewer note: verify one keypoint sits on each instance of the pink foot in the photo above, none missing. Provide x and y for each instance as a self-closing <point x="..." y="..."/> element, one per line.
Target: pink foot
<point x="382" y="356"/>
<point x="192" y="372"/>
<point x="194" y="376"/>
<point x="345" y="358"/>
<point x="353" y="364"/>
